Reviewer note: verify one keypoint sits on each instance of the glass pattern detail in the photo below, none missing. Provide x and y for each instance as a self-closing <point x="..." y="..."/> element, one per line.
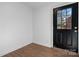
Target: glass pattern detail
<point x="59" y="20"/>
<point x="63" y="21"/>
<point x="64" y="18"/>
<point x="69" y="18"/>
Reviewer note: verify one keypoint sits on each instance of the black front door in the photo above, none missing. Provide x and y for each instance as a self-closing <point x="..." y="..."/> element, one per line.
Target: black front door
<point x="65" y="23"/>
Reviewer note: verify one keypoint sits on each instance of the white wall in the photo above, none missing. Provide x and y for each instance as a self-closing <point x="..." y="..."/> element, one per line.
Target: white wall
<point x="15" y="26"/>
<point x="41" y="27"/>
<point x="43" y="23"/>
<point x="78" y="28"/>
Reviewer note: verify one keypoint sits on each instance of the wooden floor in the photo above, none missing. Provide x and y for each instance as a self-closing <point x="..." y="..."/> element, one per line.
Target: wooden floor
<point x="35" y="50"/>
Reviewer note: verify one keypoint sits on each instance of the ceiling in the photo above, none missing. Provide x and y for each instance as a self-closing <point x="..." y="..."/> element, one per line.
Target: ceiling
<point x="37" y="4"/>
<point x="41" y="4"/>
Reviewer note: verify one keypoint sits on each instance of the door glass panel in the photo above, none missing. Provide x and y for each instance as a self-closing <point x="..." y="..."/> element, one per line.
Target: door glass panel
<point x="69" y="18"/>
<point x="63" y="21"/>
<point x="59" y="19"/>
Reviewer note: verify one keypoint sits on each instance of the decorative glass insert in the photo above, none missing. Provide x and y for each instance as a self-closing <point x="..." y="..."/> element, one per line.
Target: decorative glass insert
<point x="64" y="19"/>
<point x="69" y="18"/>
<point x="59" y="19"/>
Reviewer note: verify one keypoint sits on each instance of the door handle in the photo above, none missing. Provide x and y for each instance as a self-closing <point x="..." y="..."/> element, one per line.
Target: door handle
<point x="75" y="31"/>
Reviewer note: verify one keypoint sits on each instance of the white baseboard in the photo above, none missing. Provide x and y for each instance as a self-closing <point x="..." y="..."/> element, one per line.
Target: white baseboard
<point x="43" y="44"/>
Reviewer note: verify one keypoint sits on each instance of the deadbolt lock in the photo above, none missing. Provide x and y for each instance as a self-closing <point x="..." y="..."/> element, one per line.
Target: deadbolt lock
<point x="75" y="27"/>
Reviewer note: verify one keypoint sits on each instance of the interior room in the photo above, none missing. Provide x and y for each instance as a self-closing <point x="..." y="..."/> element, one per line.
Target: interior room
<point x="39" y="29"/>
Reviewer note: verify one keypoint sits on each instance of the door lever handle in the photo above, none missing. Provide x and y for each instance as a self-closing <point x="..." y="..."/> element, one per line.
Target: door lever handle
<point x="75" y="31"/>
